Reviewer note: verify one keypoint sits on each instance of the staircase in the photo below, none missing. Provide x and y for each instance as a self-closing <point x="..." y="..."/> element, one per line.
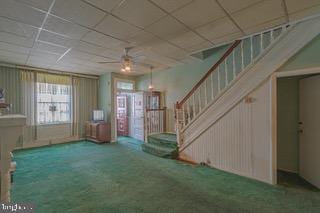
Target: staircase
<point x="228" y="119"/>
<point x="162" y="145"/>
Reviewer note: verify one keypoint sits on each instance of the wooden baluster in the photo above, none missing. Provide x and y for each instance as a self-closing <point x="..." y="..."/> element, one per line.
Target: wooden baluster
<point x="261" y="42"/>
<point x="226" y="73"/>
<point x="234" y="64"/>
<point x="212" y="87"/>
<point x="205" y="93"/>
<point x="251" y="49"/>
<point x="194" y="106"/>
<point x="219" y="80"/>
<point x="183" y="115"/>
<point x="165" y="119"/>
<point x="199" y="99"/>
<point x="242" y="56"/>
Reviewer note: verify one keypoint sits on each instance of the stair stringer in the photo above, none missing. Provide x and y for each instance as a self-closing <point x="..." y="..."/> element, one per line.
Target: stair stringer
<point x="289" y="44"/>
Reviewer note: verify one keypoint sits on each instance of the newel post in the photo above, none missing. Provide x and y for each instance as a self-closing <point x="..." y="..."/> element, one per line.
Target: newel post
<point x="178" y="123"/>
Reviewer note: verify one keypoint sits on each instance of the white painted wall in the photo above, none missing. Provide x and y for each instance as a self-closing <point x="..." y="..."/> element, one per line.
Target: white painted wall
<point x="239" y="142"/>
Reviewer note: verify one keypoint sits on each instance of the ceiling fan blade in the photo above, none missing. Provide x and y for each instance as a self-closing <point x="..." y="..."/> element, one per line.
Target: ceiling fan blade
<point x="109" y="62"/>
<point x="139" y="57"/>
<point x="142" y="64"/>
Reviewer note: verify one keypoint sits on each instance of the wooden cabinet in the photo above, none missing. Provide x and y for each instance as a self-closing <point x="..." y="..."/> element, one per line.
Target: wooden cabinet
<point x="98" y="132"/>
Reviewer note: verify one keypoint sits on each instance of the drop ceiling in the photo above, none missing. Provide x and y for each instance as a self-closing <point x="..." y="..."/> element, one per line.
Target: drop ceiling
<point x="75" y="35"/>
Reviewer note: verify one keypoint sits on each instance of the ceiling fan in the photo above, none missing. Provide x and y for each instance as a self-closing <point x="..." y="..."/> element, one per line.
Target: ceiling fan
<point x="127" y="61"/>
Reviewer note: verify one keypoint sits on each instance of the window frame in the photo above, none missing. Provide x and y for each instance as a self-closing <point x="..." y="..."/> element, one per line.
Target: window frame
<point x="69" y="103"/>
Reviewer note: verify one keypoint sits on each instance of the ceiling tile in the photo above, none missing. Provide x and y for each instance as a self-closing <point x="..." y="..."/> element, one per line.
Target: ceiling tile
<point x="113" y="53"/>
<point x="298" y="9"/>
<point x="14" y="48"/>
<point x="10" y="57"/>
<point x="199" y="12"/>
<point x="39" y="4"/>
<point x="42" y="62"/>
<point x="44" y="54"/>
<point x="266" y="25"/>
<point x="64" y="27"/>
<point x="16" y="11"/>
<point x="50" y="48"/>
<point x="17" y="40"/>
<point x="142" y="37"/>
<point x="98" y="59"/>
<point x="105" y="5"/>
<point x="171" y="5"/>
<point x="168" y="50"/>
<point x="219" y="28"/>
<point x="89" y="48"/>
<point x="199" y="47"/>
<point x="78" y="11"/>
<point x="187" y="40"/>
<point x="167" y="27"/>
<point x="139" y="12"/>
<point x="116" y="28"/>
<point x="56" y="39"/>
<point x="14" y="27"/>
<point x="259" y="13"/>
<point x="230" y="6"/>
<point x="79" y="55"/>
<point x="227" y="38"/>
<point x="101" y="40"/>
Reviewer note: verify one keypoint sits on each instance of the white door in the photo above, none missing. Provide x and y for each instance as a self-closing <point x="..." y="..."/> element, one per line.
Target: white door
<point x="138" y="118"/>
<point x="310" y="130"/>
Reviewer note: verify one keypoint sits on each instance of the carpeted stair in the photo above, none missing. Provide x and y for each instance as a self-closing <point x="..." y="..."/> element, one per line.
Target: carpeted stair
<point x="162" y="145"/>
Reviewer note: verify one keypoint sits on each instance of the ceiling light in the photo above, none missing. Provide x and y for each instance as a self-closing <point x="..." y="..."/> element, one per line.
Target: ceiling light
<point x="151" y="87"/>
<point x="127" y="68"/>
<point x="123" y="69"/>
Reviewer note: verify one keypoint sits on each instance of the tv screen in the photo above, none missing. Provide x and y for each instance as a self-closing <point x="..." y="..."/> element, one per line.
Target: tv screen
<point x="98" y="115"/>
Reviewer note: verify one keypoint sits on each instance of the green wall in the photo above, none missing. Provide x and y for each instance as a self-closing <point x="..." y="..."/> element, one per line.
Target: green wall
<point x="104" y="97"/>
<point x="308" y="57"/>
<point x="176" y="82"/>
<point x="287" y="123"/>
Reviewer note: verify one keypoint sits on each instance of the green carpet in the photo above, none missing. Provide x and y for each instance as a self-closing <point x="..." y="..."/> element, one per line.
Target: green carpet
<point x="87" y="177"/>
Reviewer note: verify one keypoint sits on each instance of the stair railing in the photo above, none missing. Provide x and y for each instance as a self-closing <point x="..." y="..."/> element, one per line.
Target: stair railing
<point x="238" y="57"/>
<point x="155" y="121"/>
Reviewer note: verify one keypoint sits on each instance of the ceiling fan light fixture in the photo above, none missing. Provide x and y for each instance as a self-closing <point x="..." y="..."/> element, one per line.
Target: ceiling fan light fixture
<point x="123" y="69"/>
<point x="151" y="87"/>
<point x="127" y="68"/>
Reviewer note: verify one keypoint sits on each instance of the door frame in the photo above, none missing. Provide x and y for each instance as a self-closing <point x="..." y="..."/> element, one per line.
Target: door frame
<point x="283" y="74"/>
<point x="114" y="101"/>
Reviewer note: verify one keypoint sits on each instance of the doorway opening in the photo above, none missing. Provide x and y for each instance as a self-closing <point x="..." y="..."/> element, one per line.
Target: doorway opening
<point x="130" y="106"/>
<point x="298" y="131"/>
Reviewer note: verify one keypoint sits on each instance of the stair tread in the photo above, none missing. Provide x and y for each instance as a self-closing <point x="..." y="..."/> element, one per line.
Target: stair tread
<point x="168" y="137"/>
<point x="160" y="151"/>
<point x="163" y="148"/>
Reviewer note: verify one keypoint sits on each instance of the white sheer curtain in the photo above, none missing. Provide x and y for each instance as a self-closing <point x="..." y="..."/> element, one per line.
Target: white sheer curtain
<point x="28" y="95"/>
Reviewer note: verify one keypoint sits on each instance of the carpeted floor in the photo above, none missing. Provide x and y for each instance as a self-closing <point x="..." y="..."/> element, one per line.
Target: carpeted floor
<point x="86" y="177"/>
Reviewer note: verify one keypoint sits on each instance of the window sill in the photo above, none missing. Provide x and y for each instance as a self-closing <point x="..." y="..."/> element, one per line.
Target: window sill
<point x="54" y="124"/>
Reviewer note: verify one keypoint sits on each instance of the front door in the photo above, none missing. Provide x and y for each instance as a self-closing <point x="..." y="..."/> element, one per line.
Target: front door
<point x="138" y="118"/>
<point x="122" y="115"/>
<point x="310" y="130"/>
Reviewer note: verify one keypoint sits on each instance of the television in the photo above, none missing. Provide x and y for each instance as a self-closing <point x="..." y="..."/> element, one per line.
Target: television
<point x="98" y="115"/>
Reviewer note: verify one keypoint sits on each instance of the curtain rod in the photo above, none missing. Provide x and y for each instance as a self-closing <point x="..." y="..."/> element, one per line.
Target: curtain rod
<point x="49" y="71"/>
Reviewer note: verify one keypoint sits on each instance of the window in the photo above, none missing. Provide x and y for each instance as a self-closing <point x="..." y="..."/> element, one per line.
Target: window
<point x="125" y="85"/>
<point x="53" y="103"/>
